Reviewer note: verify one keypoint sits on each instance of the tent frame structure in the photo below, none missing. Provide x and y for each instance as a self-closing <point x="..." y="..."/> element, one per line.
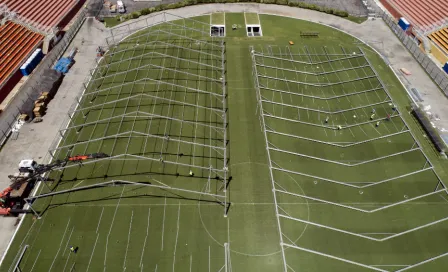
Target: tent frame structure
<point x="196" y="35"/>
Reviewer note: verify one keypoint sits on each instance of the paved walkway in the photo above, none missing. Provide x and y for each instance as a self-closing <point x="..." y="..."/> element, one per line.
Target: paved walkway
<point x="35" y="139"/>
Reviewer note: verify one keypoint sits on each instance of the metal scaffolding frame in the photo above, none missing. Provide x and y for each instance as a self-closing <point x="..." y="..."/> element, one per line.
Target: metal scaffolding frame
<point x="165" y="88"/>
<point x="277" y="188"/>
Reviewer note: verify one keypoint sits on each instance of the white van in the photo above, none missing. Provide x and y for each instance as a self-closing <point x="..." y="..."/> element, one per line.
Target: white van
<point x="120" y="7"/>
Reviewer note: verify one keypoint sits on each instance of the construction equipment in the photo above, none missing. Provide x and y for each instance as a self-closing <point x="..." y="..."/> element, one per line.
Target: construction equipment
<point x="12" y="199"/>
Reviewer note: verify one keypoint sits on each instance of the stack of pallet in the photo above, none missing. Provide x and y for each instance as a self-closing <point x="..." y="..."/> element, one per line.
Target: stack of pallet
<point x="40" y="105"/>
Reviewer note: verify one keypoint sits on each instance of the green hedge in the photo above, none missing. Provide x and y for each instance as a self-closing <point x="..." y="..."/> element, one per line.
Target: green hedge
<point x="185" y="3"/>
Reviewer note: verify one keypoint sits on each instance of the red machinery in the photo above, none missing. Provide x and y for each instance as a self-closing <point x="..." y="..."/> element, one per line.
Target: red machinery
<point x="12" y="198"/>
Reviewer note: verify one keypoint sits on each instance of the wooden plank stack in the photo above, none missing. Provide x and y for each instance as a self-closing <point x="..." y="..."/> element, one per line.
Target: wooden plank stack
<point x="40" y="105"/>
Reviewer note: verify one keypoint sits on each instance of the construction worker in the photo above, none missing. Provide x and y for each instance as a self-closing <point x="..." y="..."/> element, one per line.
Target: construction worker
<point x="191" y="173"/>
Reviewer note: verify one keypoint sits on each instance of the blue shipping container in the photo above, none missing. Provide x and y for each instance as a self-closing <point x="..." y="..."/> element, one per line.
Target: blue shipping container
<point x="403" y="23"/>
<point x="445" y="68"/>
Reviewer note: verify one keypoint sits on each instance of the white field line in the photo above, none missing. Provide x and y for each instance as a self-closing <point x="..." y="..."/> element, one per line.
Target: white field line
<point x="110" y="229"/>
<point x="60" y="244"/>
<point x="378" y="233"/>
<point x="66" y="262"/>
<point x="163" y="222"/>
<point x="386" y="265"/>
<point x="93" y="251"/>
<point x="24" y="239"/>
<point x="146" y="239"/>
<point x="286" y="203"/>
<point x="177" y="236"/>
<point x="349" y="183"/>
<point x="358" y="209"/>
<point x="423" y="262"/>
<point x="342" y="163"/>
<point x="35" y="261"/>
<point x="334" y="257"/>
<point x="99" y="221"/>
<point x="191" y="261"/>
<point x="32" y="243"/>
<point x="129" y="238"/>
<point x="364" y="236"/>
<point x="66" y="245"/>
<point x="257" y="84"/>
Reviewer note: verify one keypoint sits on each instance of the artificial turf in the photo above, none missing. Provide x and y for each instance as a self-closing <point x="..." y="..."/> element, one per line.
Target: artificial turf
<point x="137" y="228"/>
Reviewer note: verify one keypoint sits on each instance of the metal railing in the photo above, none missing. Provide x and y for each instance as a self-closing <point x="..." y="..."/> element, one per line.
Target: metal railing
<point x="29" y="89"/>
<point x="431" y="68"/>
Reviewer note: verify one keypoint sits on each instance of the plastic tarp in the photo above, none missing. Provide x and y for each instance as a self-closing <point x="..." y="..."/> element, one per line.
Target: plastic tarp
<point x="49" y="82"/>
<point x="430" y="130"/>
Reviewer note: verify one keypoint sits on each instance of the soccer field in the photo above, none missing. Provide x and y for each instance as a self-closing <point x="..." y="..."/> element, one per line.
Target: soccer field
<point x="240" y="154"/>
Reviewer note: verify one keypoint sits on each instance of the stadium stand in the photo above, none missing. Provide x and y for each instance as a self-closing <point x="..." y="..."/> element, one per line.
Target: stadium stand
<point x="421" y="13"/>
<point x="28" y="25"/>
<point x="441" y="39"/>
<point x="17" y="43"/>
<point x="43" y="14"/>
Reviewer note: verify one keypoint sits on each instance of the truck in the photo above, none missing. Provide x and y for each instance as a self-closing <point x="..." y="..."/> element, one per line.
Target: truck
<point x="12" y="198"/>
<point x="120" y="7"/>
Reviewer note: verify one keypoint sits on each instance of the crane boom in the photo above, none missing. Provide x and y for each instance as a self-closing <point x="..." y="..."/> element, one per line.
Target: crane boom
<point x="29" y="173"/>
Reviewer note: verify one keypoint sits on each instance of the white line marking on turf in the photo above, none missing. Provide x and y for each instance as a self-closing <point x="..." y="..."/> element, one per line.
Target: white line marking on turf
<point x="60" y="244"/>
<point x="93" y="251"/>
<point x="390" y="265"/>
<point x="78" y="183"/>
<point x="155" y="270"/>
<point x="129" y="238"/>
<point x="163" y="221"/>
<point x="146" y="238"/>
<point x="110" y="229"/>
<point x="99" y="221"/>
<point x="38" y="254"/>
<point x="209" y="258"/>
<point x="334" y="257"/>
<point x="177" y="236"/>
<point x="191" y="261"/>
<point x="66" y="245"/>
<point x="66" y="262"/>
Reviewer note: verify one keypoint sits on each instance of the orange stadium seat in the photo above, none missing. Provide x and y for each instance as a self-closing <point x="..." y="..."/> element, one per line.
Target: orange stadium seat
<point x="18" y="43"/>
<point x="44" y="13"/>
<point x="418" y="13"/>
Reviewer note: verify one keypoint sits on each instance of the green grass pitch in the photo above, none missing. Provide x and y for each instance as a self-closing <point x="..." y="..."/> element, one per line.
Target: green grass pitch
<point x="314" y="183"/>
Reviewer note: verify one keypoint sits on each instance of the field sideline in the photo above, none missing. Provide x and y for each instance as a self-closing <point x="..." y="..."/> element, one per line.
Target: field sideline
<point x="312" y="145"/>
